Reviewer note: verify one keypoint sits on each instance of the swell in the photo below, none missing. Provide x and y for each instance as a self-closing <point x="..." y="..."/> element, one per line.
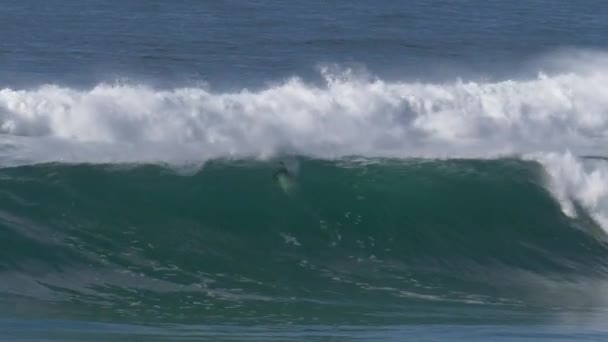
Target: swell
<point x="358" y="236"/>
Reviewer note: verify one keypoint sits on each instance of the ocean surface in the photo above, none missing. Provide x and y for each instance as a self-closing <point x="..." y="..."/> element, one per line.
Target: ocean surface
<point x="304" y="171"/>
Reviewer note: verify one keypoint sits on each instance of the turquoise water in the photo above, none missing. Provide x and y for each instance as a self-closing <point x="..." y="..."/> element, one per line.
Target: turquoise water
<point x="446" y="174"/>
<point x="357" y="244"/>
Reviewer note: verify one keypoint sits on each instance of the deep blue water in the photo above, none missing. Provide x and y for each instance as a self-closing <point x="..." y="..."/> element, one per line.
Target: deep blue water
<point x="234" y="44"/>
<point x="360" y="249"/>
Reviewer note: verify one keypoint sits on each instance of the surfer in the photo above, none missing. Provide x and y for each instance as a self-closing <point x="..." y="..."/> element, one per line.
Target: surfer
<point x="282" y="172"/>
<point x="284" y="178"/>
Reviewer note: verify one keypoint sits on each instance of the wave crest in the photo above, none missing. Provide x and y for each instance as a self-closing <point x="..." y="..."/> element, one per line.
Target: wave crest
<point x="346" y="116"/>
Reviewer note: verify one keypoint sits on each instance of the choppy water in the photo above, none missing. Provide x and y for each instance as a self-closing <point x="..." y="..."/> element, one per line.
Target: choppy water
<point x="448" y="173"/>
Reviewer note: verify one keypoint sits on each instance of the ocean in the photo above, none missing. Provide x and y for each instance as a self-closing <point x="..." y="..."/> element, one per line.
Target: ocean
<point x="304" y="171"/>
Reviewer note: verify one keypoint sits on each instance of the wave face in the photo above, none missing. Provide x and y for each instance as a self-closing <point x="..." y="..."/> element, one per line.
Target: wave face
<point x="355" y="240"/>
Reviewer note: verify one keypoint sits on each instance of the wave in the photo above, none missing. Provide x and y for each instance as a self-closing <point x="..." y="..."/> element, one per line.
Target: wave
<point x="374" y="237"/>
<point x="129" y="201"/>
<point x="552" y="118"/>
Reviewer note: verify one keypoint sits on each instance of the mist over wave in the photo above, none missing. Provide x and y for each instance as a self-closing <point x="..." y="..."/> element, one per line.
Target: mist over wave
<point x="348" y="115"/>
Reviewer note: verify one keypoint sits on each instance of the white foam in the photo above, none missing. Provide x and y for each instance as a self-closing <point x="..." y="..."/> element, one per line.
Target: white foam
<point x="346" y="116"/>
<point x="544" y="115"/>
<point x="584" y="181"/>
